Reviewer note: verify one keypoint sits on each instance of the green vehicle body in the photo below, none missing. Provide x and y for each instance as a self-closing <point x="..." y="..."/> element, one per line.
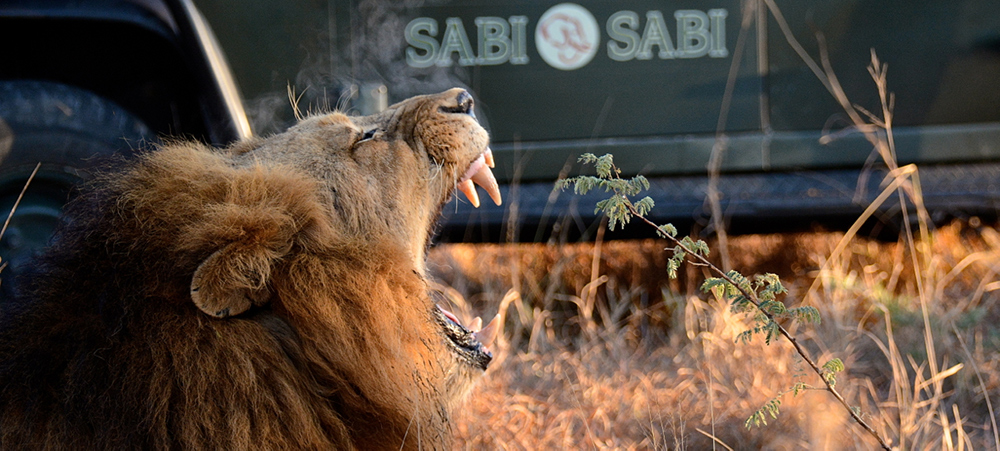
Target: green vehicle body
<point x="655" y="83"/>
<point x="652" y="92"/>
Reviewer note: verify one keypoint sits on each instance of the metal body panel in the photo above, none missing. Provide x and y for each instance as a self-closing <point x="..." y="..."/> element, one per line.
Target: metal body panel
<point x="157" y="58"/>
<point x="660" y="114"/>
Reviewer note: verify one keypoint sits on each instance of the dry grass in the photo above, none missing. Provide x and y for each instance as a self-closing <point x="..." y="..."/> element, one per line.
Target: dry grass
<point x="602" y="350"/>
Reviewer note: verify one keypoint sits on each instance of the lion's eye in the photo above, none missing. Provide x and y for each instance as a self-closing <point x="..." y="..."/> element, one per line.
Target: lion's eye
<point x="369" y="134"/>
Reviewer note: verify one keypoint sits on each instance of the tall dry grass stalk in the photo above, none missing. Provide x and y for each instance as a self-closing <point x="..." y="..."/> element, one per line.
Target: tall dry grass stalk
<point x="13" y="209"/>
<point x="918" y="391"/>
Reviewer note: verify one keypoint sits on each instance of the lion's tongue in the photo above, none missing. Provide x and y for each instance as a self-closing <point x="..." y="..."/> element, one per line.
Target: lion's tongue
<point x="479" y="174"/>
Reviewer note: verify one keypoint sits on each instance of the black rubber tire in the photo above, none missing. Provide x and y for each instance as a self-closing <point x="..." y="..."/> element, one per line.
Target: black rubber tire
<point x="69" y="131"/>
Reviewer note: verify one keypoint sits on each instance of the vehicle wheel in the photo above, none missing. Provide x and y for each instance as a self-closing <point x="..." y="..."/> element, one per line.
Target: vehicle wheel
<point x="69" y="131"/>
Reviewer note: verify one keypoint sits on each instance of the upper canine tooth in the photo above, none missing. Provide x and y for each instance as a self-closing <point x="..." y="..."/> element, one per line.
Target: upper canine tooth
<point x="485" y="179"/>
<point x="467" y="188"/>
<point x="489" y="158"/>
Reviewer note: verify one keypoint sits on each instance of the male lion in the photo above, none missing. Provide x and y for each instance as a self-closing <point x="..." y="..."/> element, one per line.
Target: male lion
<point x="271" y="295"/>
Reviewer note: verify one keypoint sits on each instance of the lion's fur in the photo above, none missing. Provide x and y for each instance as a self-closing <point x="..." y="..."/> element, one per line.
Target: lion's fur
<point x="335" y="346"/>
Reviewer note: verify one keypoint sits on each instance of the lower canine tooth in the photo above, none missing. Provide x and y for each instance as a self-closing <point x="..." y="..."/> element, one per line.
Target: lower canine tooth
<point x="489" y="333"/>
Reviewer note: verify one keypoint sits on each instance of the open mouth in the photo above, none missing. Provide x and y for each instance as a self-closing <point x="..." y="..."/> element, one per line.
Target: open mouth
<point x="479" y="173"/>
<point x="470" y="343"/>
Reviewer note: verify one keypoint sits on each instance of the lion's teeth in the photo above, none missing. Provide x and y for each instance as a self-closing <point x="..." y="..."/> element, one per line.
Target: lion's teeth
<point x="473" y="168"/>
<point x="484" y="178"/>
<point x="489" y="158"/>
<point x="476" y="324"/>
<point x="489" y="333"/>
<point x="479" y="173"/>
<point x="469" y="189"/>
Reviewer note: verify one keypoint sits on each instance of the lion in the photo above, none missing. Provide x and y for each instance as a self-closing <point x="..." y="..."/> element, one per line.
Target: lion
<point x="270" y="295"/>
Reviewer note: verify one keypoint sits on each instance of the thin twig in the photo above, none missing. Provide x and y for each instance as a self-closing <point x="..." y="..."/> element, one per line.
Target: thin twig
<point x="798" y="348"/>
<point x="18" y="201"/>
<point x="752" y="297"/>
<point x="721" y="142"/>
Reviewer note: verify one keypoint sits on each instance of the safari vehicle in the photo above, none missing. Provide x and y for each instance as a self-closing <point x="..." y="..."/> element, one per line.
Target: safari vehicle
<point x="647" y="81"/>
<point x="82" y="81"/>
<point x="644" y="80"/>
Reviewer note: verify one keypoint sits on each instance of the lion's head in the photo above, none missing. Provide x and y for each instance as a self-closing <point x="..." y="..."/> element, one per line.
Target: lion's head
<point x="269" y="295"/>
<point x="401" y="165"/>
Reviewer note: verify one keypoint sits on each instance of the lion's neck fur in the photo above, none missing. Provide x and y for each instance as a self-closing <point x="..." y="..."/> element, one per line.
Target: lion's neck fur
<point x="137" y="366"/>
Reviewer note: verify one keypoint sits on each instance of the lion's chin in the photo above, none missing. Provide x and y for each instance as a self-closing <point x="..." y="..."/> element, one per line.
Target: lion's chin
<point x="471" y="344"/>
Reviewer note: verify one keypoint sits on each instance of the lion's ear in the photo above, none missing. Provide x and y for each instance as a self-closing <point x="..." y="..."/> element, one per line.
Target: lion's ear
<point x="233" y="279"/>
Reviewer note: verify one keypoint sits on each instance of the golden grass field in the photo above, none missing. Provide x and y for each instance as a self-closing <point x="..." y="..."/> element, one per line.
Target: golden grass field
<point x="601" y="350"/>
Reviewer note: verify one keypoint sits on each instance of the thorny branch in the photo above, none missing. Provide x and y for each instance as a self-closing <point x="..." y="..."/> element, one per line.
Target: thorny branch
<point x="620" y="208"/>
<point x="749" y="294"/>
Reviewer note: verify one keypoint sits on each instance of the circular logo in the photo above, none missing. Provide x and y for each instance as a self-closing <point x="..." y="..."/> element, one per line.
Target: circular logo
<point x="567" y="36"/>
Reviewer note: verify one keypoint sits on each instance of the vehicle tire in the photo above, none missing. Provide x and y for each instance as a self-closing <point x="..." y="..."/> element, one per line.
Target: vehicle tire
<point x="69" y="131"/>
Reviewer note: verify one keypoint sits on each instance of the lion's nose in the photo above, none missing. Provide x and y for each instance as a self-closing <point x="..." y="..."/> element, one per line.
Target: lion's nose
<point x="463" y="104"/>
